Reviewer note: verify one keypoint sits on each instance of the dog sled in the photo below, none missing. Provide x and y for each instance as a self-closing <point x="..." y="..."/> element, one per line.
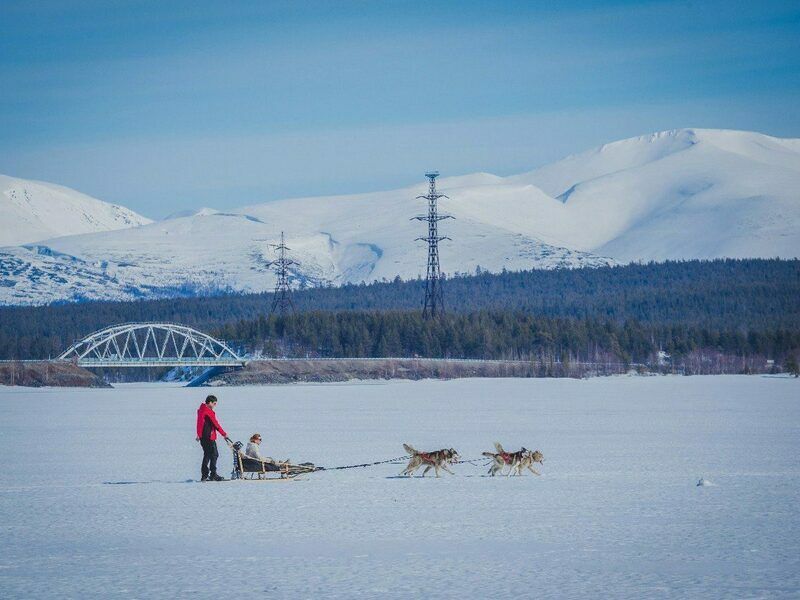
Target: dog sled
<point x="248" y="468"/>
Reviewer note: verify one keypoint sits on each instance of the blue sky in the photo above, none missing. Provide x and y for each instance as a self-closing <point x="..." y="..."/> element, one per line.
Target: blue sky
<point x="163" y="106"/>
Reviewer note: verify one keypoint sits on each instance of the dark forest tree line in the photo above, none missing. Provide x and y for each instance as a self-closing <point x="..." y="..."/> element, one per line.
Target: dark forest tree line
<point x="497" y="334"/>
<point x="748" y="305"/>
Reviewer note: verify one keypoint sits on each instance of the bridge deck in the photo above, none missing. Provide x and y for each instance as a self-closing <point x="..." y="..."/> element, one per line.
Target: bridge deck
<point x="159" y="362"/>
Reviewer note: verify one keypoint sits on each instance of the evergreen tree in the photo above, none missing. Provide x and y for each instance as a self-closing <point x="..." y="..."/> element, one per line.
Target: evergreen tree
<point x="792" y="367"/>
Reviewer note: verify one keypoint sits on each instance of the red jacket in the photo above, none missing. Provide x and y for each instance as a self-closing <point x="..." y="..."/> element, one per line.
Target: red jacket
<point x="206" y="414"/>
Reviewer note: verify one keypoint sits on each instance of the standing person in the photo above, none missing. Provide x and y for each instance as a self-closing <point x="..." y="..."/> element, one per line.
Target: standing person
<point x="207" y="428"/>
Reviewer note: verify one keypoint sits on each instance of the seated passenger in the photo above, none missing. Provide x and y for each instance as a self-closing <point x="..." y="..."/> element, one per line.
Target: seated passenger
<point x="252" y="450"/>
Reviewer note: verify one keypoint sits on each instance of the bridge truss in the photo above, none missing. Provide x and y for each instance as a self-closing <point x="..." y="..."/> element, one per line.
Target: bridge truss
<point x="151" y="345"/>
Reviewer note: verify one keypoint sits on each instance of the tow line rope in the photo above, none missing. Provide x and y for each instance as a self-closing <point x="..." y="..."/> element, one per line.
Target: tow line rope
<point x="473" y="462"/>
<point x="379" y="462"/>
<point x="397" y="460"/>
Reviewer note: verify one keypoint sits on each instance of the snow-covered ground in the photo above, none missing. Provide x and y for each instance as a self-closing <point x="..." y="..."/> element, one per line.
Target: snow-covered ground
<point x="94" y="498"/>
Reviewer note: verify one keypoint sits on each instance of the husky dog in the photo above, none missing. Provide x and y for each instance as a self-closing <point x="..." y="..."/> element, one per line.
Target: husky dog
<point x="436" y="460"/>
<point x="516" y="461"/>
<point x="526" y="461"/>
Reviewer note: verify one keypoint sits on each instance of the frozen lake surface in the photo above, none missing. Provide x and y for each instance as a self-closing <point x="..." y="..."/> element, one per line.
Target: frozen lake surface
<point x="95" y="503"/>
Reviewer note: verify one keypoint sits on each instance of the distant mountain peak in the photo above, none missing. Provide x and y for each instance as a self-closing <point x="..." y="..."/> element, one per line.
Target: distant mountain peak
<point x="191" y="212"/>
<point x="32" y="211"/>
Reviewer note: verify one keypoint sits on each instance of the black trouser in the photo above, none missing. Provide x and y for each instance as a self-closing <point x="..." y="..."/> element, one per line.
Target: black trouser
<point x="210" y="455"/>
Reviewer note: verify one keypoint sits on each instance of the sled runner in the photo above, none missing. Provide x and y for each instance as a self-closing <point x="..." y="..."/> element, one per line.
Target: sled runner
<point x="251" y="469"/>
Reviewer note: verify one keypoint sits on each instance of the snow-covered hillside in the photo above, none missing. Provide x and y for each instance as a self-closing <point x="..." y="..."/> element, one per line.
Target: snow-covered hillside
<point x="688" y="193"/>
<point x="191" y="212"/>
<point x="335" y="240"/>
<point x="31" y="211"/>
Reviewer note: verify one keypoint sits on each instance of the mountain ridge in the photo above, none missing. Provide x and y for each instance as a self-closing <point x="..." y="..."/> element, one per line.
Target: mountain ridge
<point x="33" y="211"/>
<point x="677" y="194"/>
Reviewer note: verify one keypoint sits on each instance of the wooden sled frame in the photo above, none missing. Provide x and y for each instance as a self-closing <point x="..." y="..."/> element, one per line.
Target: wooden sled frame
<point x="270" y="471"/>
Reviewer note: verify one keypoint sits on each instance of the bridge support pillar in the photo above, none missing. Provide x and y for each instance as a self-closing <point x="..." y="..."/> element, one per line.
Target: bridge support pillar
<point x="208" y="374"/>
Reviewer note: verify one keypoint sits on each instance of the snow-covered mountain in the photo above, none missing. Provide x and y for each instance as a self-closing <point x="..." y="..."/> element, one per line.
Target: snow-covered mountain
<point x="687" y="193"/>
<point x="31" y="211"/>
<point x="335" y="240"/>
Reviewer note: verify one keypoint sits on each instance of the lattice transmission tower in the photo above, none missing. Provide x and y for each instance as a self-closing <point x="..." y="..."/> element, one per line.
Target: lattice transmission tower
<point x="434" y="299"/>
<point x="282" y="299"/>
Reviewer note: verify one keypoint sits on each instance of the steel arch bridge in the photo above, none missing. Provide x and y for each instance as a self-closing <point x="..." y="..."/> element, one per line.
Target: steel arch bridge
<point x="151" y="345"/>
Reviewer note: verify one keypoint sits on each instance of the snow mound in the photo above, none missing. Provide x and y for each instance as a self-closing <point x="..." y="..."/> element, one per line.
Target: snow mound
<point x="191" y="212"/>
